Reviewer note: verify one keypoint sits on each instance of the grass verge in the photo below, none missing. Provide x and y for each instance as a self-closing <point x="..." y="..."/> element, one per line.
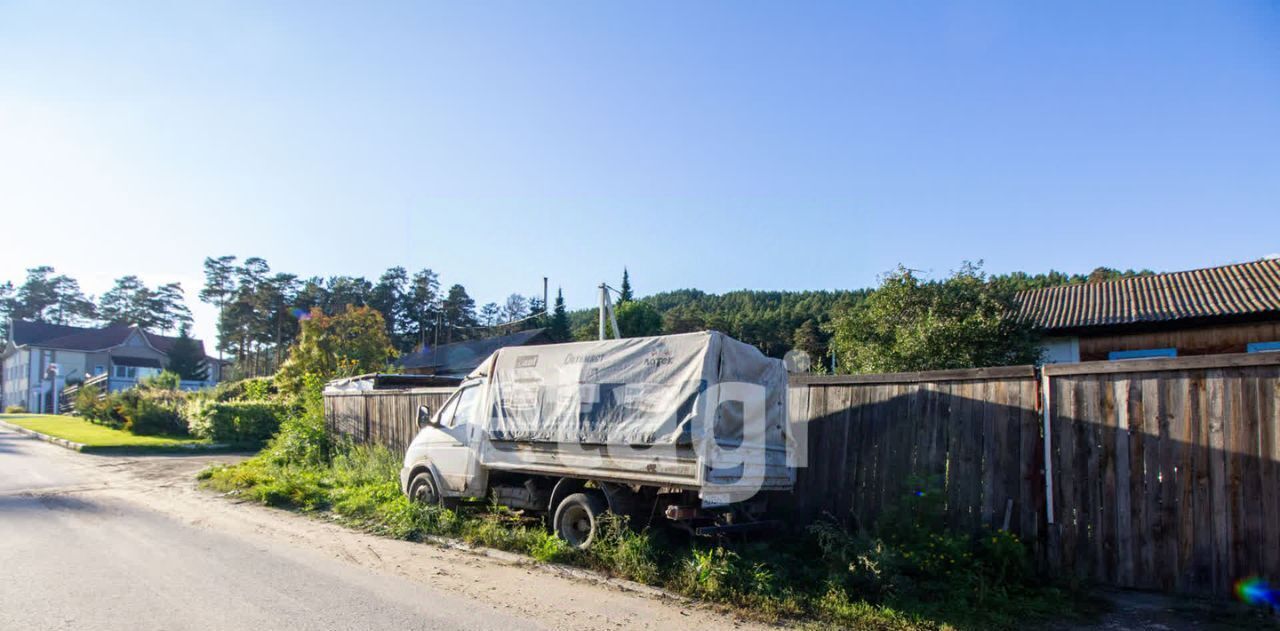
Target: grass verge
<point x="826" y="577"/>
<point x="99" y="438"/>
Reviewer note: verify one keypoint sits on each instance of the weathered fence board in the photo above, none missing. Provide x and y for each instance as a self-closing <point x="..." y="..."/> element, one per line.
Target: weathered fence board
<point x="1181" y="454"/>
<point x="1165" y="472"/>
<point x="381" y="417"/>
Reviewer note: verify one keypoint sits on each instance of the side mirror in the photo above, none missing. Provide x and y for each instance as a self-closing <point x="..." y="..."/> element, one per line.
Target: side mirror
<point x="424" y="416"/>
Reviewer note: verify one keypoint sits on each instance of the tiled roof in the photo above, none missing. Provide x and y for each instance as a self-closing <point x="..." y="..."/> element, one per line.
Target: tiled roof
<point x="78" y="338"/>
<point x="1230" y="290"/>
<point x="461" y="358"/>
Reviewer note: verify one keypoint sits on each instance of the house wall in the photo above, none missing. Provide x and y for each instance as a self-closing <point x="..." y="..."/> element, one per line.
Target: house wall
<point x="70" y="363"/>
<point x="1060" y="350"/>
<point x="93" y="360"/>
<point x="127" y="350"/>
<point x="1205" y="340"/>
<point x="24" y="371"/>
<point x="17" y="378"/>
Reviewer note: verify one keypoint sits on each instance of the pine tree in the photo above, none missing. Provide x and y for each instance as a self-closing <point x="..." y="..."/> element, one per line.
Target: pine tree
<point x="626" y="287"/>
<point x="559" y="329"/>
<point x="459" y="312"/>
<point x="186" y="358"/>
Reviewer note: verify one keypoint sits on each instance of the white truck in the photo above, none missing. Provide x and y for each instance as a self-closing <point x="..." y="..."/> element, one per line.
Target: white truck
<point x="691" y="428"/>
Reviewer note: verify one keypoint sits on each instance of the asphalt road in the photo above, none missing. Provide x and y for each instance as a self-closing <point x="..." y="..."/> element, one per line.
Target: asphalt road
<point x="75" y="554"/>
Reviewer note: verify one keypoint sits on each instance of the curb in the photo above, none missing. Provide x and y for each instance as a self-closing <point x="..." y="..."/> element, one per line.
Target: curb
<point x="61" y="442"/>
<point x="112" y="449"/>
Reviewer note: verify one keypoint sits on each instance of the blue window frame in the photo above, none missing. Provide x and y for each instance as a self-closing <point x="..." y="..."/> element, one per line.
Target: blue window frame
<point x="1144" y="353"/>
<point x="1263" y="347"/>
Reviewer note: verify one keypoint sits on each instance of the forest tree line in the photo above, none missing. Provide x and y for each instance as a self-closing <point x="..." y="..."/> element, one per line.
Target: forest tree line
<point x="907" y="323"/>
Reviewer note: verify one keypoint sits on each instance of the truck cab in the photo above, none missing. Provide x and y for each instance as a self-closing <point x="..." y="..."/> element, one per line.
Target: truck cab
<point x="446" y="449"/>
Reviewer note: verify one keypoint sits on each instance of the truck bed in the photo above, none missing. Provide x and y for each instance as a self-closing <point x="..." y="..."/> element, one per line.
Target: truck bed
<point x="627" y="465"/>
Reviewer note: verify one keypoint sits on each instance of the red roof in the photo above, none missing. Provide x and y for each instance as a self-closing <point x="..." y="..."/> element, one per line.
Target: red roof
<point x="78" y="338"/>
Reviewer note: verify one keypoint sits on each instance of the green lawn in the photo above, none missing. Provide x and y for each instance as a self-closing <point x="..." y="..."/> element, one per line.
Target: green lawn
<point x="96" y="437"/>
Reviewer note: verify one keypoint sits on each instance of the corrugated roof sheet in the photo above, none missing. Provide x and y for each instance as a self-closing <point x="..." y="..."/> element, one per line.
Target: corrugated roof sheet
<point x="461" y="358"/>
<point x="1229" y="290"/>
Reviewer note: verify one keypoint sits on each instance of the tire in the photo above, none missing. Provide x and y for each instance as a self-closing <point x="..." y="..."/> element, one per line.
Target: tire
<point x="577" y="518"/>
<point x="423" y="489"/>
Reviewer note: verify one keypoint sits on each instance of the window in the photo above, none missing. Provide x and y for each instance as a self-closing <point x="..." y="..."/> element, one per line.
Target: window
<point x="446" y="414"/>
<point x="1143" y="354"/>
<point x="126" y="372"/>
<point x="99" y="369"/>
<point x="1264" y="347"/>
<point x="466" y="406"/>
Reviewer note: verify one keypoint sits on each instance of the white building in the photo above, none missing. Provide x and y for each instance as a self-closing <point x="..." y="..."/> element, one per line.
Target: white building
<point x="39" y="359"/>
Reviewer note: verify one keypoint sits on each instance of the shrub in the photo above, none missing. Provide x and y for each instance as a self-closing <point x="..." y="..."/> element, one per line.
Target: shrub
<point x="237" y="422"/>
<point x="91" y="405"/>
<point x="253" y="389"/>
<point x="148" y="414"/>
<point x="166" y="380"/>
<point x="914" y="558"/>
<point x="302" y="438"/>
<point x="141" y="411"/>
<point x="108" y="411"/>
<point x="14" y="409"/>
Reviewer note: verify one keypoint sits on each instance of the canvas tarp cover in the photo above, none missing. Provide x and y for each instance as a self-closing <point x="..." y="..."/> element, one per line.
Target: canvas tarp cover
<point x="634" y="391"/>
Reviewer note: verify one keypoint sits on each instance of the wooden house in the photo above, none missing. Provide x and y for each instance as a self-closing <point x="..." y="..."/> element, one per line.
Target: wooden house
<point x="1228" y="309"/>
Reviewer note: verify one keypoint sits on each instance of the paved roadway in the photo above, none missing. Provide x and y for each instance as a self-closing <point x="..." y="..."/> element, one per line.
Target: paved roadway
<point x="77" y="554"/>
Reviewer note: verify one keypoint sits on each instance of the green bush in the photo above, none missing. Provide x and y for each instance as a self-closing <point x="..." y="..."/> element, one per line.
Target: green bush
<point x="236" y="422"/>
<point x="89" y="403"/>
<point x="14" y="409"/>
<point x="104" y="410"/>
<point x="165" y="380"/>
<point x="252" y="389"/>
<point x="913" y="559"/>
<point x="154" y="413"/>
<point x="302" y="439"/>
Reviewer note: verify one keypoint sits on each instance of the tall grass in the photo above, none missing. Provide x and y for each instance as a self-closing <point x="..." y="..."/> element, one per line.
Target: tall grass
<point x="907" y="574"/>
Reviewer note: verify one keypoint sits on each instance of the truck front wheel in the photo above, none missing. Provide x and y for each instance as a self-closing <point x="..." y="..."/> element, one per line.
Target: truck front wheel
<point x="577" y="518"/>
<point x="423" y="489"/>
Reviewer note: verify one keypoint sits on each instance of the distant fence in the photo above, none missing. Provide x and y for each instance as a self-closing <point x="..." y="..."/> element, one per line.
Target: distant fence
<point x="1163" y="473"/>
<point x="67" y="400"/>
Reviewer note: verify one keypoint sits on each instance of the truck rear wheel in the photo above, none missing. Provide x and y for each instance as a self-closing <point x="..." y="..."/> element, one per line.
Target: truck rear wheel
<point x="577" y="518"/>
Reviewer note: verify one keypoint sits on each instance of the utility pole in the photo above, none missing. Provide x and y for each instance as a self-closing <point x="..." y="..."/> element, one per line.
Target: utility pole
<point x="546" y="306"/>
<point x="604" y="297"/>
<point x="606" y="305"/>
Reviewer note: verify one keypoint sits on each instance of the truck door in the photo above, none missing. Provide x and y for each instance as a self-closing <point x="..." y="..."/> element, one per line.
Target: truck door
<point x="449" y="444"/>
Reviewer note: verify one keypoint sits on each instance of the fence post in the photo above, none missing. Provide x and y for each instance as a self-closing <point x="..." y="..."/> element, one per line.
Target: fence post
<point x="1046" y="413"/>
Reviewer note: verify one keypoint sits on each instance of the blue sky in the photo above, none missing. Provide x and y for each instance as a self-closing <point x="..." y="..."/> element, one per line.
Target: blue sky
<point x="710" y="145"/>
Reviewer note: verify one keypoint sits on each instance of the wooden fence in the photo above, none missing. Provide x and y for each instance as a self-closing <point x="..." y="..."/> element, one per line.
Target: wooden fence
<point x="1163" y="473"/>
<point x="873" y="438"/>
<point x="1166" y="473"/>
<point x="380" y="417"/>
